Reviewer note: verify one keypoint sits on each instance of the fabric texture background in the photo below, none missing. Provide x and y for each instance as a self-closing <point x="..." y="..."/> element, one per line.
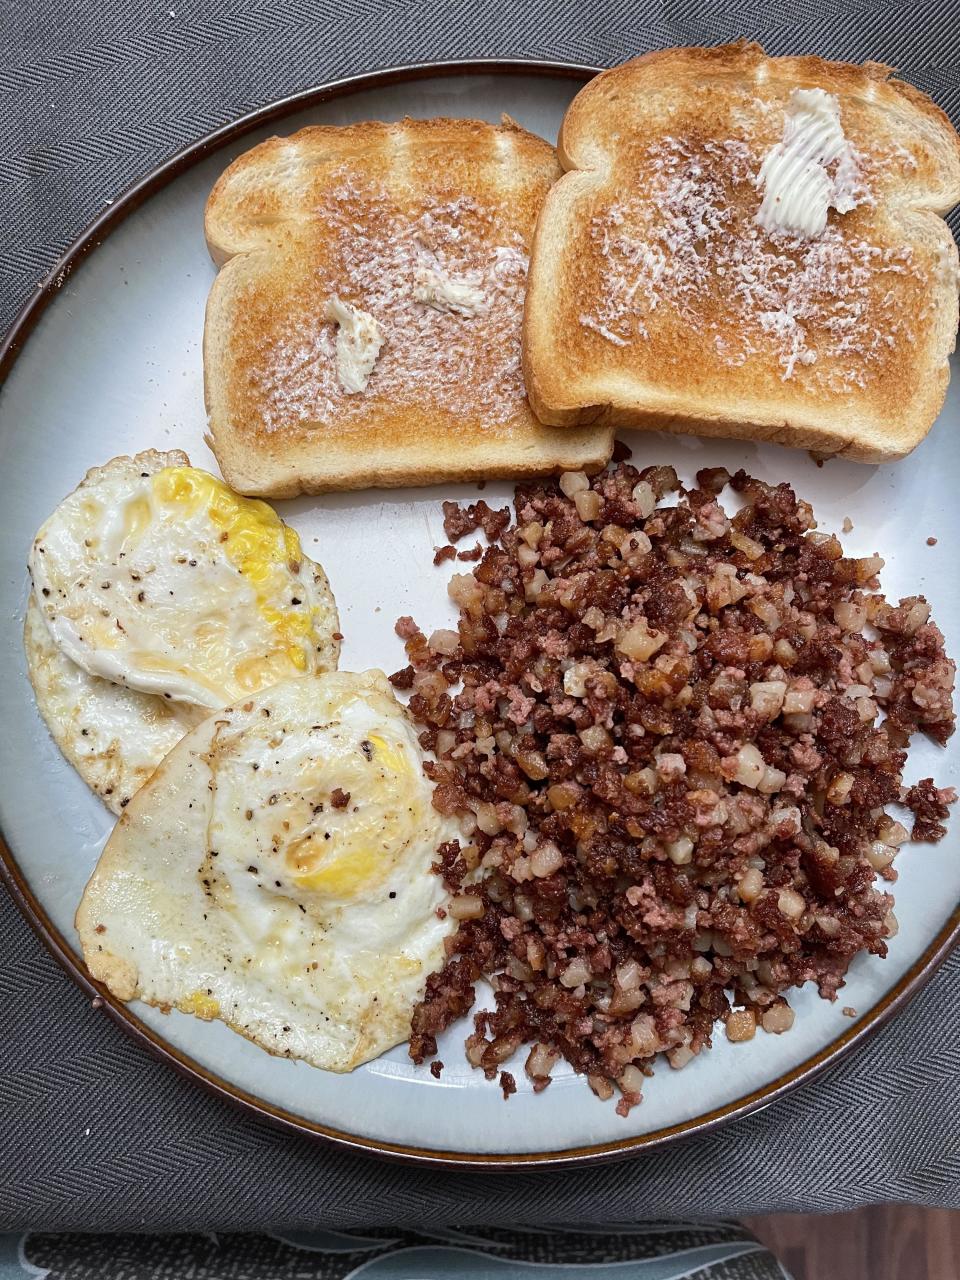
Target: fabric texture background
<point x="94" y="1134"/>
<point x="641" y="1251"/>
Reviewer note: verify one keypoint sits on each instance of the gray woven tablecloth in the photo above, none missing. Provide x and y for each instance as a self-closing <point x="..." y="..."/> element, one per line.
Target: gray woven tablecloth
<point x="96" y="1135"/>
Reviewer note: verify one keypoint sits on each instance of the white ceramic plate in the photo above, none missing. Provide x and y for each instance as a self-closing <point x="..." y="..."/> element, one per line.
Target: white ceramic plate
<point x="113" y="365"/>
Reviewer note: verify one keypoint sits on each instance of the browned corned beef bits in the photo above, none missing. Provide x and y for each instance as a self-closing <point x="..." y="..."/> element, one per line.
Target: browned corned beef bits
<point x="675" y="739"/>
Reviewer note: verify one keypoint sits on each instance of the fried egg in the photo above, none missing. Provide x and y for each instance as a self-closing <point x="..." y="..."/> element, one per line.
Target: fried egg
<point x="114" y="737"/>
<point x="155" y="575"/>
<point x="275" y="873"/>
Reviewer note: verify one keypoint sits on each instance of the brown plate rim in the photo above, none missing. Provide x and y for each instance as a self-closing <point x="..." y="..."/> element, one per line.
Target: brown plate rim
<point x="13" y="343"/>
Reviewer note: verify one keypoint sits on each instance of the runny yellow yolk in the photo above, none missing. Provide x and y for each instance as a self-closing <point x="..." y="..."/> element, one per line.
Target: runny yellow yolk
<point x="356" y="856"/>
<point x="262" y="548"/>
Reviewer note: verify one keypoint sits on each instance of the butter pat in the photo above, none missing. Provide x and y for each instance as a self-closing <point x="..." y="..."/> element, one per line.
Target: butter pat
<point x="359" y="339"/>
<point x="798" y="186"/>
<point x="443" y="294"/>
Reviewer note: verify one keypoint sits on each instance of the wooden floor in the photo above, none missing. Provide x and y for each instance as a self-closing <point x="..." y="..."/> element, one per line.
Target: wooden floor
<point x="893" y="1242"/>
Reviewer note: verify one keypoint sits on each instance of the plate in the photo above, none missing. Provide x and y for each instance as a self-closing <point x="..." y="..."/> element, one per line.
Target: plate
<point x="107" y="360"/>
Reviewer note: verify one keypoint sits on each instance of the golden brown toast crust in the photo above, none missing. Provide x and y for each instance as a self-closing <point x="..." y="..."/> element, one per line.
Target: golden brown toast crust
<point x="360" y="212"/>
<point x="654" y="299"/>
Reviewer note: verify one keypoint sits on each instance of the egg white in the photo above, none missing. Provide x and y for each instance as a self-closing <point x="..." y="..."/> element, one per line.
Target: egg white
<point x="114" y="737"/>
<point x="240" y="884"/>
<point x="155" y="575"/>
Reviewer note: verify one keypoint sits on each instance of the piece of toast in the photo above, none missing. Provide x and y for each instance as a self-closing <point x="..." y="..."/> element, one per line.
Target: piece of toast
<point x="424" y="225"/>
<point x="656" y="298"/>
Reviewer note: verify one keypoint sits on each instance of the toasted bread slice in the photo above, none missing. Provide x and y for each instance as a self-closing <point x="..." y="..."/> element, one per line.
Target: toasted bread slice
<point x="364" y="329"/>
<point x="658" y="298"/>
